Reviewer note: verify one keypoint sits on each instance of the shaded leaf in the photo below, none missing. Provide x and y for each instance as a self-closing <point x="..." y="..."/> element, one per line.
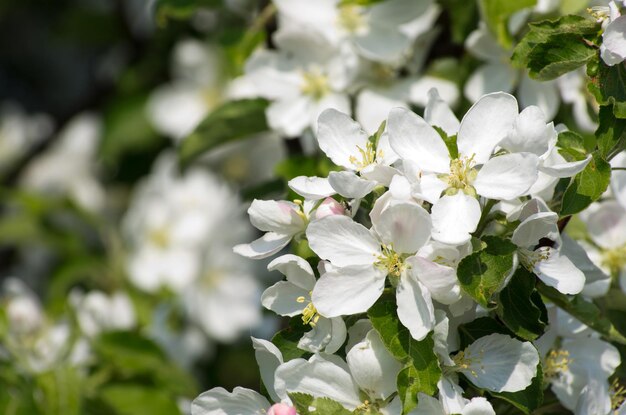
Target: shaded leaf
<point x="482" y="273"/>
<point x="587" y="186"/>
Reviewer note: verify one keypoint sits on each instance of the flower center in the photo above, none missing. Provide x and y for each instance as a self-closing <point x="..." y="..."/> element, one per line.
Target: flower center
<point x="529" y="258"/>
<point x="160" y="237"/>
<point x="315" y="84"/>
<point x="351" y="18"/>
<point x="390" y="261"/>
<point x="557" y="361"/>
<point x="310" y="315"/>
<point x="600" y="13"/>
<point x="614" y="259"/>
<point x="368" y="156"/>
<point x="462" y="175"/>
<point x="464" y="361"/>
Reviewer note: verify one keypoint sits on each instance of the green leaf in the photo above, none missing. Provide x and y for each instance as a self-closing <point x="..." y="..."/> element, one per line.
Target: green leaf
<point x="304" y="402"/>
<point x="609" y="87"/>
<point x="584" y="311"/>
<point x="132" y="399"/>
<point x="587" y="186"/>
<point x="61" y="389"/>
<point x="233" y="120"/>
<point x="287" y="339"/>
<point x="496" y="14"/>
<point x="611" y="132"/>
<point x="520" y="306"/>
<point x="562" y="54"/>
<point x="180" y="9"/>
<point x="528" y="399"/>
<point x="572" y="146"/>
<point x="539" y="48"/>
<point x="132" y="355"/>
<point x="421" y="372"/>
<point x="482" y="273"/>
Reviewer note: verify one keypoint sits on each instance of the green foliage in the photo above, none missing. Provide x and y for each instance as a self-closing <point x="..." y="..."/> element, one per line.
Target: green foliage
<point x="287" y="339"/>
<point x="480" y="327"/>
<point x="583" y="310"/>
<point x="609" y="87"/>
<point x="180" y="9"/>
<point x="554" y="47"/>
<point x="61" y="391"/>
<point x="496" y="14"/>
<point x="132" y="356"/>
<point x="587" y="186"/>
<point x="421" y="371"/>
<point x="572" y="146"/>
<point x="611" y="133"/>
<point x="233" y="120"/>
<point x="130" y="399"/>
<point x="482" y="273"/>
<point x="521" y="308"/>
<point x="463" y="16"/>
<point x="304" y="402"/>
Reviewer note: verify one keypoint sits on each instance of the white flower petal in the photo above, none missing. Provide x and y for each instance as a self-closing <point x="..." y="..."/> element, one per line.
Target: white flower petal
<point x="438" y="113"/>
<point x="485" y="124"/>
<point x="340" y="137"/>
<point x="594" y="398"/>
<point x="373" y="368"/>
<point x="289" y="116"/>
<point x="406" y="226"/>
<point x="316" y="339"/>
<point x="313" y="188"/>
<point x="296" y="269"/>
<point x="559" y="272"/>
<point x="413" y="139"/>
<point x="614" y="41"/>
<point x="338" y="334"/>
<point x="478" y="406"/>
<point x="440" y="280"/>
<point x="607" y="225"/>
<point x="348" y="290"/>
<point x="530" y="133"/>
<point x="430" y="188"/>
<point x="349" y="185"/>
<point x="373" y="106"/>
<point x="618" y="178"/>
<point x="218" y="401"/>
<point x="268" y="358"/>
<point x="342" y="241"/>
<point x="415" y="307"/>
<point x="451" y="395"/>
<point x="500" y="363"/>
<point x="536" y="226"/>
<point x="275" y="216"/>
<point x="265" y="246"/>
<point x="319" y="378"/>
<point x="454" y="218"/>
<point x="491" y="77"/>
<point x="507" y="177"/>
<point x="282" y="297"/>
<point x="567" y="169"/>
<point x="591" y="356"/>
<point x="545" y="95"/>
<point x="427" y="405"/>
<point x="597" y="283"/>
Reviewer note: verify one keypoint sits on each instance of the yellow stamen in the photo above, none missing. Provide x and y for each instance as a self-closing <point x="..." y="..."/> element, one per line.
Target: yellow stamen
<point x="557" y="362"/>
<point x="390" y="261"/>
<point x="315" y="84"/>
<point x="351" y="18"/>
<point x="461" y="177"/>
<point x="369" y="155"/>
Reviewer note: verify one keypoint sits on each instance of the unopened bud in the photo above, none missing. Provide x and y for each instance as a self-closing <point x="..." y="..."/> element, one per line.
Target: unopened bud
<point x="329" y="207"/>
<point x="281" y="409"/>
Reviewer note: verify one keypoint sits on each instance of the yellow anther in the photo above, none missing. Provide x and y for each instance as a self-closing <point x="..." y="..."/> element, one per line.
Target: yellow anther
<point x="310" y="315"/>
<point x="614" y="259"/>
<point x="369" y="155"/>
<point x="315" y="84"/>
<point x="557" y="362"/>
<point x="160" y="237"/>
<point x="390" y="261"/>
<point x="463" y="361"/>
<point x="351" y="18"/>
<point x="529" y="258"/>
<point x="461" y="177"/>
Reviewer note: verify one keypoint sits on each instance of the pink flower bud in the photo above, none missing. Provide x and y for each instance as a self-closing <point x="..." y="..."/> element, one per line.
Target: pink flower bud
<point x="329" y="207"/>
<point x="281" y="409"/>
